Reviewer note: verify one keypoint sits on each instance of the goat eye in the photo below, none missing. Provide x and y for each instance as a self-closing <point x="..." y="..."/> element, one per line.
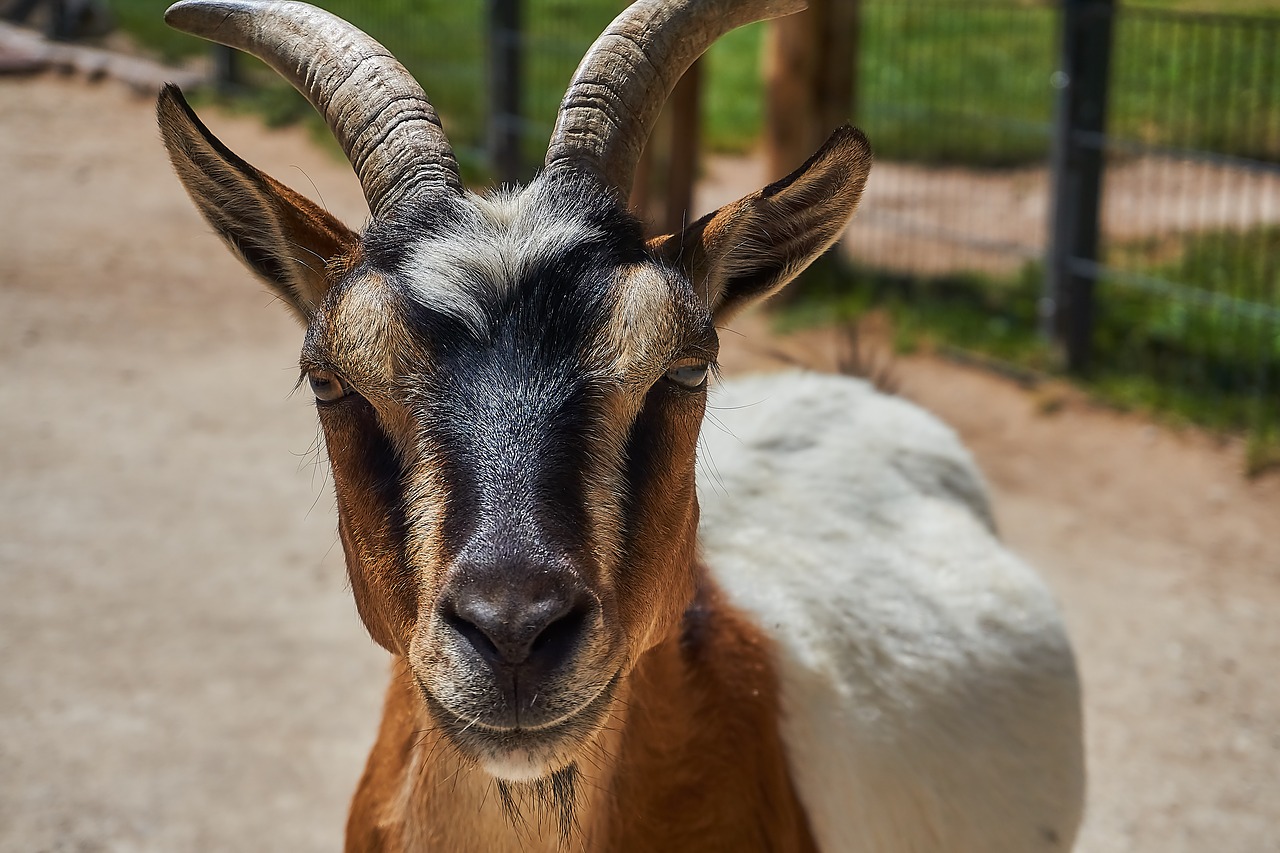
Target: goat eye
<point x="326" y="386"/>
<point x="689" y="374"/>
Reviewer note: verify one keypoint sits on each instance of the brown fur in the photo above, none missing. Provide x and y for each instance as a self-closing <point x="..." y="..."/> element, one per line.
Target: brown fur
<point x="371" y="525"/>
<point x="690" y="760"/>
<point x="701" y="765"/>
<point x="689" y="756"/>
<point x="280" y="234"/>
<point x="751" y="248"/>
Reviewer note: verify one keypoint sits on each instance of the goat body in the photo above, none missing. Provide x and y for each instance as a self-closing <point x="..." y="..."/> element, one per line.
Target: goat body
<point x="804" y="636"/>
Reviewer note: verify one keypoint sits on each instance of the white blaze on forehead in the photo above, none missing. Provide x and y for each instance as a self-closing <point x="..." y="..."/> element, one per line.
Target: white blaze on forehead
<point x="498" y="239"/>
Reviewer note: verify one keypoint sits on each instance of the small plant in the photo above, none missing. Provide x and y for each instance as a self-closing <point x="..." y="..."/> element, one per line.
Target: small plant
<point x="1262" y="453"/>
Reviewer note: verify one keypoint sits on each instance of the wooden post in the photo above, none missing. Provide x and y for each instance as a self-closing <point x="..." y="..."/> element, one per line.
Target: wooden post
<point x="686" y="134"/>
<point x="1078" y="163"/>
<point x="811" y="80"/>
<point x="62" y="22"/>
<point x="662" y="194"/>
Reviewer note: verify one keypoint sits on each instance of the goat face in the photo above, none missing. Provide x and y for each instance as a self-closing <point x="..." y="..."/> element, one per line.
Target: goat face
<point x="511" y="390"/>
<point x="510" y="386"/>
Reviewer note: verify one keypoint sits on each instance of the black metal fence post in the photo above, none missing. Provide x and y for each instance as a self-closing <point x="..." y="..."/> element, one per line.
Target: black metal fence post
<point x="504" y="89"/>
<point x="1078" y="154"/>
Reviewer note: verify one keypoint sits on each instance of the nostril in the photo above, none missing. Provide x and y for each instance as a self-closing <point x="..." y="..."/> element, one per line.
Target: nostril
<point x="472" y="633"/>
<point x="559" y="638"/>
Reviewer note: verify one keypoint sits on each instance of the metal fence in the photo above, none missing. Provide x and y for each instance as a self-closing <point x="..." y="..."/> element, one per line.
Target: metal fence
<point x="1109" y="173"/>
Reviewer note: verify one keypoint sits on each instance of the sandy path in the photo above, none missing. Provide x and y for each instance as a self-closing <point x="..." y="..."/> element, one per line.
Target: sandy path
<point x="181" y="667"/>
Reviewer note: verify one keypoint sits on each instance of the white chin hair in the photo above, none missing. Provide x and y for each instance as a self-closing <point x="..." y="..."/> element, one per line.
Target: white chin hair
<point x="518" y="765"/>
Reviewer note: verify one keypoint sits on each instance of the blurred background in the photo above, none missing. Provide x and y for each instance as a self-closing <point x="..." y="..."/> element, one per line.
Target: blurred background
<point x="1069" y="249"/>
<point x="1098" y="177"/>
<point x="1073" y="185"/>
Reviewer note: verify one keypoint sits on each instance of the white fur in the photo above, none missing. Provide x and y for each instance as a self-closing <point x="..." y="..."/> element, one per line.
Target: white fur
<point x="930" y="699"/>
<point x="499" y="237"/>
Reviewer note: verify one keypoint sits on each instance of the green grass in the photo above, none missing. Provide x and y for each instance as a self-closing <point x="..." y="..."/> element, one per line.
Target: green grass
<point x="442" y="42"/>
<point x="1259" y="8"/>
<point x="1262" y="452"/>
<point x="1208" y="365"/>
<point x="940" y="81"/>
<point x="943" y="82"/>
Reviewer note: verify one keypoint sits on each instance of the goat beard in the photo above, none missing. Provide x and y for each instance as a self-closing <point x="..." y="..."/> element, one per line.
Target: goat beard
<point x="553" y="797"/>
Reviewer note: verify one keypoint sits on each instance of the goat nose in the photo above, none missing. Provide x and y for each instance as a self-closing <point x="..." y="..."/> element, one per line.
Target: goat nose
<point x="508" y="631"/>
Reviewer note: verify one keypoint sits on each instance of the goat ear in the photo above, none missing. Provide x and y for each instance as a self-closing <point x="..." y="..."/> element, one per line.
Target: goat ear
<point x="281" y="235"/>
<point x="750" y="249"/>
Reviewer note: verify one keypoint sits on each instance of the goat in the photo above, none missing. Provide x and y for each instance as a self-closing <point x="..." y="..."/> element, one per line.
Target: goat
<point x="812" y="640"/>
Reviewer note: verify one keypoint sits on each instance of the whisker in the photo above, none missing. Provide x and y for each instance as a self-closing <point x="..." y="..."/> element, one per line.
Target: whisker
<point x="314" y="188"/>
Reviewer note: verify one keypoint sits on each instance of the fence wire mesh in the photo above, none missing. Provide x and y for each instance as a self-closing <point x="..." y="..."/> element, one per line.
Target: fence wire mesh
<point x="959" y="102"/>
<point x="1189" y="290"/>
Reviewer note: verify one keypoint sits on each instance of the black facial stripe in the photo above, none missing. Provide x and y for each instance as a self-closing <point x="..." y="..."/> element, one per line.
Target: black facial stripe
<point x="507" y="408"/>
<point x="644" y="451"/>
<point x="370" y="451"/>
<point x="512" y="450"/>
<point x="508" y="412"/>
<point x="668" y="413"/>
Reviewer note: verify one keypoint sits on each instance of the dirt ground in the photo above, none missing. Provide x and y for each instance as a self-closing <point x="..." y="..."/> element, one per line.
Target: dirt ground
<point x="181" y="667"/>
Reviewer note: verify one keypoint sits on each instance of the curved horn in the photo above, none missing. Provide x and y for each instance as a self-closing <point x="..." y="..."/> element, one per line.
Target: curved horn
<point x="626" y="76"/>
<point x="378" y="112"/>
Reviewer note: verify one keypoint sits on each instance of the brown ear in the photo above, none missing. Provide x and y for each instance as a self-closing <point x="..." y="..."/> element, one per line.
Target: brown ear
<point x="751" y="248"/>
<point x="282" y="236"/>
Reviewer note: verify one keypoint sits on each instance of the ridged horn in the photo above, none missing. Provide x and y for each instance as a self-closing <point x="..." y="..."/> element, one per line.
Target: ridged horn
<point x="624" y="79"/>
<point x="374" y="106"/>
